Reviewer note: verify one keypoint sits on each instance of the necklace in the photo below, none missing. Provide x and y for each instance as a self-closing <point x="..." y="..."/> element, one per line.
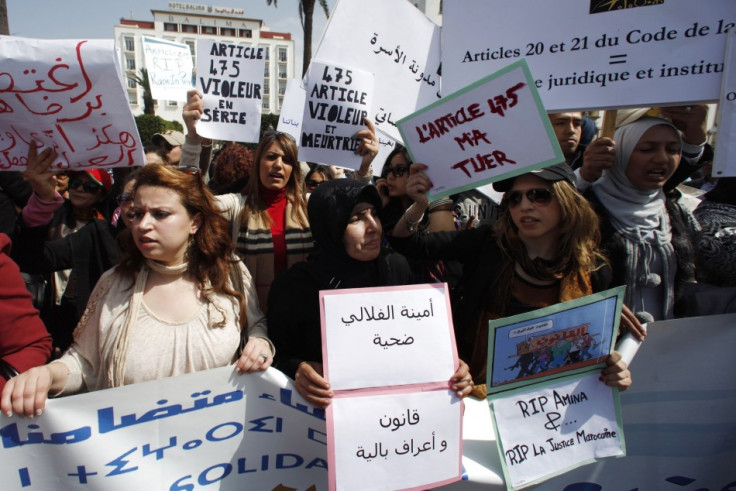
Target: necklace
<point x="167" y="270"/>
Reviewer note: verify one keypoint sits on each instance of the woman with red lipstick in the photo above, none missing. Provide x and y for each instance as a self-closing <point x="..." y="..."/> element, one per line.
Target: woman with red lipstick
<point x="349" y="254"/>
<point x="178" y="302"/>
<point x="541" y="251"/>
<point x="647" y="234"/>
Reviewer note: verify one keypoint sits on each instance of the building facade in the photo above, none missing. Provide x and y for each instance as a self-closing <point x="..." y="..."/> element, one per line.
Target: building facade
<point x="185" y="23"/>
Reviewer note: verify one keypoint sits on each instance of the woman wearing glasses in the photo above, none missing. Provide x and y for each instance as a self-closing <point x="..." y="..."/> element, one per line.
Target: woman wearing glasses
<point x="317" y="175"/>
<point x="178" y="302"/>
<point x="542" y="250"/>
<point x="67" y="239"/>
<point x="268" y="217"/>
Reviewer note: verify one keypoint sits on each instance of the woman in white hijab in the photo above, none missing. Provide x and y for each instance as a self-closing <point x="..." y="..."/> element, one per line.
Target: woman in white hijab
<point x="647" y="234"/>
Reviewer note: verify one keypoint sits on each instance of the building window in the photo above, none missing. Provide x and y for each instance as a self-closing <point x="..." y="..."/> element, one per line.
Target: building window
<point x="130" y="62"/>
<point x="281" y="103"/>
<point x="266" y="106"/>
<point x="266" y="89"/>
<point x="133" y="97"/>
<point x="172" y="103"/>
<point x="245" y="33"/>
<point x="190" y="43"/>
<point x="132" y="84"/>
<point x="282" y="54"/>
<point x="267" y="51"/>
<point x="227" y="31"/>
<point x="282" y="70"/>
<point x="168" y="26"/>
<point x="129" y="43"/>
<point x="209" y="30"/>
<point x="189" y="28"/>
<point x="282" y="88"/>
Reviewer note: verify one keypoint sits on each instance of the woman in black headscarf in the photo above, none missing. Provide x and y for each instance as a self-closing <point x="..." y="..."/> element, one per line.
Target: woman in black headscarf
<point x="343" y="215"/>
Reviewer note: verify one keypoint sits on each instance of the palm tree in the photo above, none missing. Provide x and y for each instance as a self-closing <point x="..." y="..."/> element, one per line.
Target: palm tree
<point x="4" y="27"/>
<point x="141" y="78"/>
<point x="306" y="14"/>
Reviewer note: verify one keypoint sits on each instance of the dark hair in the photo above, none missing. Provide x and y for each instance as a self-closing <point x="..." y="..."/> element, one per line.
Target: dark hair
<point x="322" y="170"/>
<point x="233" y="162"/>
<point x="398" y="149"/>
<point x="724" y="191"/>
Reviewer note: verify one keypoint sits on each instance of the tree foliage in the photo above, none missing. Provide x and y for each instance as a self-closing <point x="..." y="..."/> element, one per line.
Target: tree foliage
<point x="306" y="16"/>
<point x="141" y="78"/>
<point x="150" y="124"/>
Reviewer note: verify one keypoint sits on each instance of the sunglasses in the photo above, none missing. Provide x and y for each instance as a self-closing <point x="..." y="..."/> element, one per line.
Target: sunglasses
<point x="124" y="198"/>
<point x="539" y="196"/>
<point x="397" y="170"/>
<point x="87" y="186"/>
<point x="312" y="183"/>
<point x="275" y="134"/>
<point x="190" y="169"/>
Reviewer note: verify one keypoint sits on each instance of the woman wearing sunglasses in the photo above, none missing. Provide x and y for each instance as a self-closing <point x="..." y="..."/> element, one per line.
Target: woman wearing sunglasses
<point x="317" y="175"/>
<point x="542" y="250"/>
<point x="68" y="240"/>
<point x="178" y="302"/>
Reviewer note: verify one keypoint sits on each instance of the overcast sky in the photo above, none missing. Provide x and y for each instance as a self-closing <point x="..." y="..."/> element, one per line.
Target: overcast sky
<point x="94" y="19"/>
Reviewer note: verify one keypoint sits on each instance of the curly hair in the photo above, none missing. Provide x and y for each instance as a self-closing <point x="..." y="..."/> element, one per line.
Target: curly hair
<point x="211" y="256"/>
<point x="233" y="162"/>
<point x="294" y="193"/>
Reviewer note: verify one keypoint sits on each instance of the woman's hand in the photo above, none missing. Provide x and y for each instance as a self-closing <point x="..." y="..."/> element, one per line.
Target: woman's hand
<point x="690" y="120"/>
<point x="26" y="394"/>
<point x="630" y="323"/>
<point x="418" y="184"/>
<point x="461" y="381"/>
<point x="256" y="356"/>
<point x="311" y="385"/>
<point x="382" y="187"/>
<point x="192" y="112"/>
<point x="38" y="172"/>
<point x="368" y="146"/>
<point x="617" y="373"/>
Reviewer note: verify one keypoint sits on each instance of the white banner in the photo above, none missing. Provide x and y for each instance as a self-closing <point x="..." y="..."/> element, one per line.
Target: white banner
<point x="724" y="161"/>
<point x="591" y="54"/>
<point x="292" y="110"/>
<point x="230" y="79"/>
<point x="64" y="94"/>
<point x="397" y="43"/>
<point x="169" y="66"/>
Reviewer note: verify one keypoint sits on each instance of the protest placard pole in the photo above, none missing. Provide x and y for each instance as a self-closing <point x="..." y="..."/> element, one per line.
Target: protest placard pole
<point x="609" y="123"/>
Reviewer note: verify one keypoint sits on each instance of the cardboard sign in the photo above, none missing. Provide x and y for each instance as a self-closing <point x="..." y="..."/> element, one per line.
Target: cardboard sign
<point x="338" y="99"/>
<point x="169" y="66"/>
<point x="495" y="128"/>
<point x="230" y="79"/>
<point x="292" y="110"/>
<point x="589" y="54"/>
<point x="64" y="94"/>
<point x="388" y="354"/>
<point x="397" y="43"/>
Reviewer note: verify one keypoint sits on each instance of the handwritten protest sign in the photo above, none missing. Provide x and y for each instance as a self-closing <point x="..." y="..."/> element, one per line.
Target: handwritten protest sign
<point x="584" y="56"/>
<point x="169" y="66"/>
<point x="388" y="354"/>
<point x="545" y="425"/>
<point x="403" y="440"/>
<point x="292" y="110"/>
<point x="338" y="99"/>
<point x="544" y="431"/>
<point x="724" y="162"/>
<point x="368" y="332"/>
<point x="64" y="94"/>
<point x="494" y="128"/>
<point x="230" y="79"/>
<point x="398" y="44"/>
<point x="212" y="427"/>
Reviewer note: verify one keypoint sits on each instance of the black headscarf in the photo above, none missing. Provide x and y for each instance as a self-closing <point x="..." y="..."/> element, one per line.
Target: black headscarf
<point x="330" y="207"/>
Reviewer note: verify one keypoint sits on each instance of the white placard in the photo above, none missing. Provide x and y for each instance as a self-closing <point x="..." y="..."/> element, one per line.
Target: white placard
<point x="338" y="100"/>
<point x="292" y="110"/>
<point x="407" y="440"/>
<point x="230" y="79"/>
<point x="545" y="431"/>
<point x="368" y="332"/>
<point x="64" y="94"/>
<point x="397" y="43"/>
<point x="483" y="132"/>
<point x="724" y="162"/>
<point x="661" y="52"/>
<point x="169" y="66"/>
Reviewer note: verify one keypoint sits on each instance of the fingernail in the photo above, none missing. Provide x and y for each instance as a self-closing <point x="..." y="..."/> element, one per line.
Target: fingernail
<point x="39" y="412"/>
<point x="8" y="413"/>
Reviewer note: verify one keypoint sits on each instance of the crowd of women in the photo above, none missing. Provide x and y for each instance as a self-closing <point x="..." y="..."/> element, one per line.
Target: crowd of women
<point x="187" y="279"/>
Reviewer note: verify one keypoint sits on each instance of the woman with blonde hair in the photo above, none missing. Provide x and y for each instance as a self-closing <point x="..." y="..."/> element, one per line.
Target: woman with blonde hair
<point x="542" y="251"/>
<point x="178" y="302"/>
